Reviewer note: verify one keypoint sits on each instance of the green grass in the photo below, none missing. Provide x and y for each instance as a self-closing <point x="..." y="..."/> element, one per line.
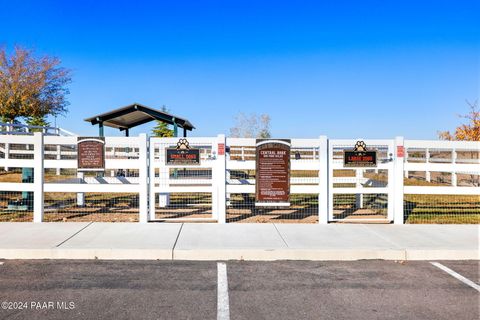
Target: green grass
<point x="443" y="218"/>
<point x="442" y="209"/>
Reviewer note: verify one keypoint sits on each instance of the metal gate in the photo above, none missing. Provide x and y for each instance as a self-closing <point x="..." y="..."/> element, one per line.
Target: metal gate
<point x="361" y="193"/>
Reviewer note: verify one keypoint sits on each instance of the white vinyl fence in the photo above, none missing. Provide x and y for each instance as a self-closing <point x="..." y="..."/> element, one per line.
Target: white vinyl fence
<point x="58" y="190"/>
<point x="442" y="179"/>
<point x="413" y="182"/>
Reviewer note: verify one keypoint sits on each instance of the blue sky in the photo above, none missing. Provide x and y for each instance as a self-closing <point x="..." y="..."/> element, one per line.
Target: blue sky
<point x="347" y="69"/>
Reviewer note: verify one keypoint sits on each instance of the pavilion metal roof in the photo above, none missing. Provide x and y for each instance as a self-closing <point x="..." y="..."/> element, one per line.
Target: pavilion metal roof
<point x="136" y="114"/>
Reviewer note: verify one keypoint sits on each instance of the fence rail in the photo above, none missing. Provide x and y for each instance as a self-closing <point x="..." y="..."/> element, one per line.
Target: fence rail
<point x="415" y="181"/>
<point x="23" y="129"/>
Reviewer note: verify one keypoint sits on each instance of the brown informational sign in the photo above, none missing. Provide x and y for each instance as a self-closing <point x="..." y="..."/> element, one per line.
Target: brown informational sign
<point x="182" y="154"/>
<point x="272" y="184"/>
<point x="359" y="156"/>
<point x="91" y="153"/>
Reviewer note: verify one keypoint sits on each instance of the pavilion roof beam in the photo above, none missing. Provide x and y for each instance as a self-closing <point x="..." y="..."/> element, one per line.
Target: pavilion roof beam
<point x="136" y="114"/>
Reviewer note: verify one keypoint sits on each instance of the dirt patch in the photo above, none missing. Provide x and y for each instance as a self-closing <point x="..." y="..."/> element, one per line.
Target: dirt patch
<point x="88" y="217"/>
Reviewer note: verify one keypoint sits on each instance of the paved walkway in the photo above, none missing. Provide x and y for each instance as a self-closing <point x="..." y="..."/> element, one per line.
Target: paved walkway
<point x="236" y="241"/>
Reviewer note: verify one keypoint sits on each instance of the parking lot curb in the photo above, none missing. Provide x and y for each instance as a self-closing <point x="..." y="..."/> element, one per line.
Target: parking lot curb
<point x="240" y="254"/>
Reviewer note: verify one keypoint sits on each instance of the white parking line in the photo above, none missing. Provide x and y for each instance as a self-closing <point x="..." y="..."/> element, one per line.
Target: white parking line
<point x="457" y="276"/>
<point x="223" y="308"/>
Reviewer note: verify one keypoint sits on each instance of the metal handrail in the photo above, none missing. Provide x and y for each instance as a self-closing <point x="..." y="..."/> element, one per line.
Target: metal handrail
<point x="23" y="129"/>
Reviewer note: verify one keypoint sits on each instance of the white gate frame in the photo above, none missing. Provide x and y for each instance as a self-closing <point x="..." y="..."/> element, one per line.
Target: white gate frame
<point x="399" y="159"/>
<point x="215" y="185"/>
<point x="337" y="164"/>
<point x="323" y="178"/>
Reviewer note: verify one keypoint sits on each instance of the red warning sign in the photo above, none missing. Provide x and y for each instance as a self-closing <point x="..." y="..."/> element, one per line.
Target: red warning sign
<point x="400" y="151"/>
<point x="221" y="149"/>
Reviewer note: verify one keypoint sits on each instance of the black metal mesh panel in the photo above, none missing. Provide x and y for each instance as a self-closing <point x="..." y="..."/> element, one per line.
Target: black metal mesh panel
<point x="303" y="209"/>
<point x="427" y="208"/>
<point x="114" y="207"/>
<point x="360" y="206"/>
<point x="16" y="206"/>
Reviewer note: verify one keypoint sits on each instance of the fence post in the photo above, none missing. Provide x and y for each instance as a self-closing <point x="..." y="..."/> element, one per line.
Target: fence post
<point x="151" y="179"/>
<point x="59" y="157"/>
<point x="143" y="178"/>
<point x="7" y="148"/>
<point x="7" y="153"/>
<point x="80" y="195"/>
<point x="454" y="173"/>
<point x="220" y="182"/>
<point x="164" y="177"/>
<point x="323" y="196"/>
<point x="38" y="177"/>
<point x="398" y="180"/>
<point x="358" y="196"/>
<point x="427" y="160"/>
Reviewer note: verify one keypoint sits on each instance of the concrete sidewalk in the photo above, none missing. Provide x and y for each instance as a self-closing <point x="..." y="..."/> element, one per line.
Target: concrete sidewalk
<point x="208" y="241"/>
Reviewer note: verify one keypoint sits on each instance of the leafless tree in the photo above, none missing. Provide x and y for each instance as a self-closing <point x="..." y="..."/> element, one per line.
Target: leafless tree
<point x="251" y="126"/>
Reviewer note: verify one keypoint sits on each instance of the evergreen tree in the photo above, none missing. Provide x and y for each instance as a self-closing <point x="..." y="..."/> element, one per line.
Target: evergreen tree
<point x="162" y="129"/>
<point x="37" y="121"/>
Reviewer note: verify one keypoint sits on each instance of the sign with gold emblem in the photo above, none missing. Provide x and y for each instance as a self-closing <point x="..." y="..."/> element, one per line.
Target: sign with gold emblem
<point x="359" y="156"/>
<point x="183" y="154"/>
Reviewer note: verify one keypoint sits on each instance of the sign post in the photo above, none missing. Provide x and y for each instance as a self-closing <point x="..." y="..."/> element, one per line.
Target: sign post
<point x="272" y="180"/>
<point x="398" y="181"/>
<point x="90" y="158"/>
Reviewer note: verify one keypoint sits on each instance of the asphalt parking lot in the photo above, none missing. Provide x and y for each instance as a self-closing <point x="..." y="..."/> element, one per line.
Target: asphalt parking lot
<point x="97" y="289"/>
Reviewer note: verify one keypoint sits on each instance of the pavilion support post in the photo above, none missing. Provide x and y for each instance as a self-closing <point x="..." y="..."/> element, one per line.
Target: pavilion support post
<point x="100" y="174"/>
<point x="127" y="133"/>
<point x="100" y="129"/>
<point x="184" y="132"/>
<point x="175" y="128"/>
